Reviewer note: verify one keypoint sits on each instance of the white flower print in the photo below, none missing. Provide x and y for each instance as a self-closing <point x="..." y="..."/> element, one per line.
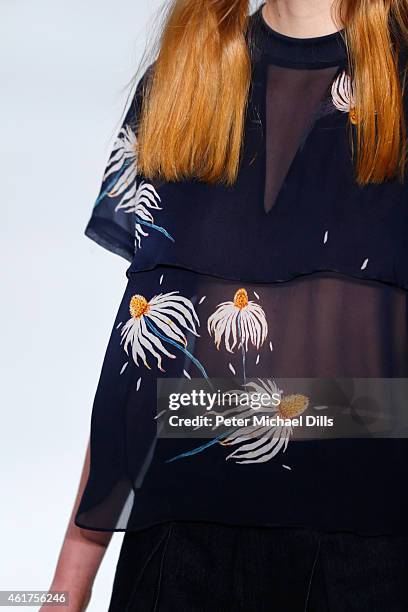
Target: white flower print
<point x="138" y="200"/>
<point x="259" y="444"/>
<point x="122" y="164"/>
<point x="241" y="321"/>
<point x="121" y="169"/>
<point x="163" y="319"/>
<point x="342" y="93"/>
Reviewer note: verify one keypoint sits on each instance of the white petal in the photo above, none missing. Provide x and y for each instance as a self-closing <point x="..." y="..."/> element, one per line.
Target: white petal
<point x="124" y="182"/>
<point x="254" y="456"/>
<point x="178" y="317"/>
<point x="148" y="195"/>
<point x="178" y="302"/>
<point x="149" y="341"/>
<point x="167" y="327"/>
<point x="124" y="367"/>
<point x="341" y="91"/>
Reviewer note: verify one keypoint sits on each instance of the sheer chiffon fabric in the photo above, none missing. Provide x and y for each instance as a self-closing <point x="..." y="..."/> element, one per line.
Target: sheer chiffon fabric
<point x="289" y="121"/>
<point x="318" y="326"/>
<point x="293" y="272"/>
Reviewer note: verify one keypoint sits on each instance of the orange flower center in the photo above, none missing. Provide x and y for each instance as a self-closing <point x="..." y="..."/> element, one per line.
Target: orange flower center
<point x="353" y="116"/>
<point x="138" y="306"/>
<point x="241" y="299"/>
<point x="292" y="406"/>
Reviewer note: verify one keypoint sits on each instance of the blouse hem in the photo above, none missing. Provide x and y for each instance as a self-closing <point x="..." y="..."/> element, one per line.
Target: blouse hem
<point x="96" y="231"/>
<point x="278" y="279"/>
<point x="272" y="525"/>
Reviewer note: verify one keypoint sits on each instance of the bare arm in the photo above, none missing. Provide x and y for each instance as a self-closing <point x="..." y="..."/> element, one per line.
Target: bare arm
<point x="80" y="557"/>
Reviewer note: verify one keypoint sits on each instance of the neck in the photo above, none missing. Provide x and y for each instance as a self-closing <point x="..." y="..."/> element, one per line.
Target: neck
<point x="301" y="18"/>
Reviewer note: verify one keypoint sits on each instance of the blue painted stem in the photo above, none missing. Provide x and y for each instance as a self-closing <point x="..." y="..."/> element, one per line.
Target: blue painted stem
<point x="177" y="345"/>
<point x="242" y="349"/>
<point x="199" y="449"/>
<point x="203" y="447"/>
<point x="111" y="183"/>
<point x="156" y="227"/>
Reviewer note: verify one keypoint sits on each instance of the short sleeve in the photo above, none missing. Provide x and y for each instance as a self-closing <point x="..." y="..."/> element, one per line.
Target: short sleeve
<point x="112" y="221"/>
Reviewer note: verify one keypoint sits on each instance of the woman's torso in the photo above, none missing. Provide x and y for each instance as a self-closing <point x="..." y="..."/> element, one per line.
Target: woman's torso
<point x="307" y="267"/>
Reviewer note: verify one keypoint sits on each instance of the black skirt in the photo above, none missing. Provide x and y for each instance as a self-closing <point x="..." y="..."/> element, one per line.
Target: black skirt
<point x="203" y="567"/>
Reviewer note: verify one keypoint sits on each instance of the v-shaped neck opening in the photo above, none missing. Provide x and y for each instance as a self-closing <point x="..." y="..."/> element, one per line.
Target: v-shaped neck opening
<point x="293" y="98"/>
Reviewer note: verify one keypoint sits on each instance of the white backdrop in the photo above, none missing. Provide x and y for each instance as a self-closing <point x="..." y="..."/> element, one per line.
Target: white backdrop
<point x="64" y="66"/>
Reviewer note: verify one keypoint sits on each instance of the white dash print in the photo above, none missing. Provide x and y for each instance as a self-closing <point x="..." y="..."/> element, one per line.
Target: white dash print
<point x="118" y="325"/>
<point x="231" y="367"/>
<point x="257" y="359"/>
<point x="139" y="382"/>
<point x="202" y="299"/>
<point x="186" y="374"/>
<point x="124" y="367"/>
<point x="256" y="295"/>
<point x="364" y="265"/>
<point x="271" y="345"/>
<point x="161" y="279"/>
<point x="287" y="467"/>
<point x="326" y="237"/>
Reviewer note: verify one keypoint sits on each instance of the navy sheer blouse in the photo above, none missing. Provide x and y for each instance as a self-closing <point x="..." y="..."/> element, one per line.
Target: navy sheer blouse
<point x="294" y="272"/>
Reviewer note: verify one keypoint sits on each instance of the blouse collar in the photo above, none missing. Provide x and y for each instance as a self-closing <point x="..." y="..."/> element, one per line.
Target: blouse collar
<point x="312" y="52"/>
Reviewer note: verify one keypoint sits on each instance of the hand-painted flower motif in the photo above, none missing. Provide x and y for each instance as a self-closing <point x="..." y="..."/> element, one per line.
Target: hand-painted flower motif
<point x="163" y="319"/>
<point x="139" y="202"/>
<point x="343" y="95"/>
<point x="241" y="320"/>
<point x="258" y="443"/>
<point x="122" y="166"/>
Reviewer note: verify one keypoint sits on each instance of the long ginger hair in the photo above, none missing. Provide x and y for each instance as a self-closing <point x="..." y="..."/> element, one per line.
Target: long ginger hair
<point x="194" y="102"/>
